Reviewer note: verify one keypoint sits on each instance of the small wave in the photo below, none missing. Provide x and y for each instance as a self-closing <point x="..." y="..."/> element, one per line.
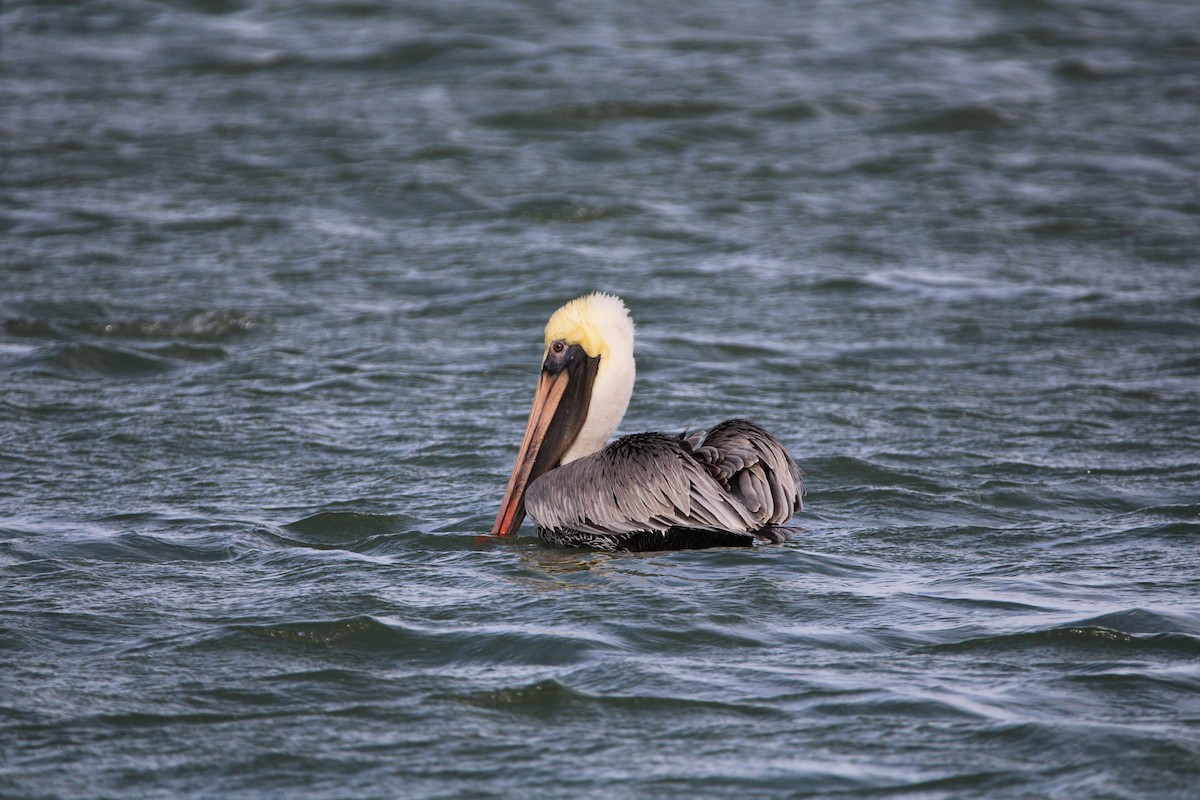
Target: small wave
<point x="1181" y="531"/>
<point x="845" y="284"/>
<point x="58" y="222"/>
<point x="127" y="547"/>
<point x="1084" y="70"/>
<point x="226" y="58"/>
<point x="1181" y="511"/>
<point x="423" y="51"/>
<point x="341" y="530"/>
<point x="429" y="646"/>
<point x="339" y="523"/>
<point x="808" y="563"/>
<point x="323" y="633"/>
<point x="957" y="119"/>
<point x="196" y="353"/>
<point x="943" y="285"/>
<point x="861" y="472"/>
<point x="883" y="702"/>
<point x="566" y="209"/>
<point x="726" y="42"/>
<point x="1121" y="634"/>
<point x="63" y="321"/>
<point x="31" y="328"/>
<point x="1104" y="323"/>
<point x="221" y="55"/>
<point x="582" y="114"/>
<point x="132" y="720"/>
<point x="112" y="360"/>
<point x="1144" y="621"/>
<point x="709" y="638"/>
<point x="796" y="111"/>
<point x="109" y="360"/>
<point x="552" y="696"/>
<point x="197" y="325"/>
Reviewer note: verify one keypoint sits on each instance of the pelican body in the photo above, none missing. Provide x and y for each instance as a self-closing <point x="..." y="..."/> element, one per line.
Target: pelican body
<point x="728" y="487"/>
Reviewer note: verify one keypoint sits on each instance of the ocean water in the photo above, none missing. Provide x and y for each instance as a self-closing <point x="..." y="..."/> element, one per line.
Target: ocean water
<point x="272" y="284"/>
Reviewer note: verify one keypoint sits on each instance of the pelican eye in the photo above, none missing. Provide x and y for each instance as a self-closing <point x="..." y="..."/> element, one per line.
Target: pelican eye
<point x="558" y="347"/>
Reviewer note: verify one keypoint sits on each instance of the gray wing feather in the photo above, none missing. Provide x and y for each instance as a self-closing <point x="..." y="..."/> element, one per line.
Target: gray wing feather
<point x="755" y="466"/>
<point x="647" y="481"/>
<point x="736" y="478"/>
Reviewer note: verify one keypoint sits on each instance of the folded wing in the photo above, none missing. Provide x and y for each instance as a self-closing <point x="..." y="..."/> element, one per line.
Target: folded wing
<point x="737" y="478"/>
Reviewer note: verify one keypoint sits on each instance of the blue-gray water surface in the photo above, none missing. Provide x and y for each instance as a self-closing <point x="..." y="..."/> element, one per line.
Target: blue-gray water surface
<point x="273" y="278"/>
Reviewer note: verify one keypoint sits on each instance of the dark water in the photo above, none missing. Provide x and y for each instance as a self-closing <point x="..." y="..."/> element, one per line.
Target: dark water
<point x="272" y="282"/>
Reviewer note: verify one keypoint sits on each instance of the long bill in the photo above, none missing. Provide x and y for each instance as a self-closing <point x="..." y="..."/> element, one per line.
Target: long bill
<point x="560" y="407"/>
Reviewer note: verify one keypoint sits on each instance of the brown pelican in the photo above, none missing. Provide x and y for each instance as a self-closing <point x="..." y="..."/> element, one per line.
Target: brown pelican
<point x="729" y="486"/>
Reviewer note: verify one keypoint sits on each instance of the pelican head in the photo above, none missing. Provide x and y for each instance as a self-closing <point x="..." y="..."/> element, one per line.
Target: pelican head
<point x="582" y="393"/>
